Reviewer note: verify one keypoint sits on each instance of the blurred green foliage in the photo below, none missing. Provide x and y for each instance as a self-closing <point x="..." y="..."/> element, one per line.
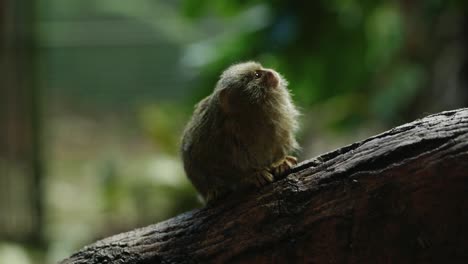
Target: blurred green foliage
<point x="120" y="78"/>
<point x="332" y="52"/>
<point x="164" y="123"/>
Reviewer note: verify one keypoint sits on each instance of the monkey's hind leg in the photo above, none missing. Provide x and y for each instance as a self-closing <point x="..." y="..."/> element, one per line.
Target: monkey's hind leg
<point x="215" y="194"/>
<point x="282" y="166"/>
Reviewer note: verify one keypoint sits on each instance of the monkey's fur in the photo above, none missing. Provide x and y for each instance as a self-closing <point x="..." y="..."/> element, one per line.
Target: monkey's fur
<point x="240" y="135"/>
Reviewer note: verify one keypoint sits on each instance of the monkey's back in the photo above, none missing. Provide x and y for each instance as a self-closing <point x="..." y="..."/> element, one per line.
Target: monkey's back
<point x="220" y="152"/>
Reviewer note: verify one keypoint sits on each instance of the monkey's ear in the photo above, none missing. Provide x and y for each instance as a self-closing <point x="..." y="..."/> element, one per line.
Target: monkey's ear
<point x="224" y="100"/>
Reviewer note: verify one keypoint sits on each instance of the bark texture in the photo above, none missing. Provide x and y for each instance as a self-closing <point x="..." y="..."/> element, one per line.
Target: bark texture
<point x="398" y="197"/>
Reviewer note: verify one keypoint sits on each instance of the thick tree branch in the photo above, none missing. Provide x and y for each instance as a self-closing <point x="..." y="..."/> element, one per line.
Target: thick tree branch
<point x="401" y="196"/>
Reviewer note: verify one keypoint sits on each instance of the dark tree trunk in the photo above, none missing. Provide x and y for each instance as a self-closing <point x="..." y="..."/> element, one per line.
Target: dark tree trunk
<point x="21" y="197"/>
<point x="398" y="197"/>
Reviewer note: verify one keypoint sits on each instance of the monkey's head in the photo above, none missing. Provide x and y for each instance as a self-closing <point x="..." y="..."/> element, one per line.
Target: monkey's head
<point x="249" y="84"/>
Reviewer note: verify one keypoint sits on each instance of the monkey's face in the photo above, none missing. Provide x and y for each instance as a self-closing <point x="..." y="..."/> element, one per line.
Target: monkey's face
<point x="250" y="83"/>
<point x="263" y="79"/>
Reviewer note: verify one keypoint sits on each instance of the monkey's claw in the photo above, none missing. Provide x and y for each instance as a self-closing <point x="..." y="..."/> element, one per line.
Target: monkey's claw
<point x="262" y="178"/>
<point x="284" y="165"/>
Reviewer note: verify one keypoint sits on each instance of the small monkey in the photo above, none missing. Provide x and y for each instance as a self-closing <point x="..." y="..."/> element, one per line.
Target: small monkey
<point x="240" y="135"/>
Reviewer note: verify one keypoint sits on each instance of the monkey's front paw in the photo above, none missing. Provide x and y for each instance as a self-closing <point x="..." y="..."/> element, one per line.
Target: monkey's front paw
<point x="284" y="165"/>
<point x="261" y="178"/>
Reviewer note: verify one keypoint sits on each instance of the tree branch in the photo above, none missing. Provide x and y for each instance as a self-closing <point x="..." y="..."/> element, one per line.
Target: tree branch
<point x="400" y="196"/>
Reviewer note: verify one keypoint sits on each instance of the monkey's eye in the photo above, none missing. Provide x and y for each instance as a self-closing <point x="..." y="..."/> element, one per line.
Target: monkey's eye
<point x="258" y="74"/>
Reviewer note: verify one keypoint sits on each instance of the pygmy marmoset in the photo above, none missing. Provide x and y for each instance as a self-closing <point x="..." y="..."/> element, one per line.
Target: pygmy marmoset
<point x="240" y="135"/>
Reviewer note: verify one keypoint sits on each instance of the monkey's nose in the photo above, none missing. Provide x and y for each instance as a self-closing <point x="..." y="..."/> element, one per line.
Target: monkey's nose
<point x="271" y="79"/>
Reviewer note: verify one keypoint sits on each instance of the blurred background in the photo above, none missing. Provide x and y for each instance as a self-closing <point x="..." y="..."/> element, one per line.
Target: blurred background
<point x="94" y="96"/>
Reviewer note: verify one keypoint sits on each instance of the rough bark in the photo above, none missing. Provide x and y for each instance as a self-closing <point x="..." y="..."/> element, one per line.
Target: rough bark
<point x="398" y="197"/>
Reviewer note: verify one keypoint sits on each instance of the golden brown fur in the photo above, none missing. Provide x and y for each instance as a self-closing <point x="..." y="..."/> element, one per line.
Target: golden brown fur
<point x="242" y="133"/>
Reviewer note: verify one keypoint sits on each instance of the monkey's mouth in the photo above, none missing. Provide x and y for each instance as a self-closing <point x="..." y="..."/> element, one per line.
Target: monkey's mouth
<point x="270" y="79"/>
